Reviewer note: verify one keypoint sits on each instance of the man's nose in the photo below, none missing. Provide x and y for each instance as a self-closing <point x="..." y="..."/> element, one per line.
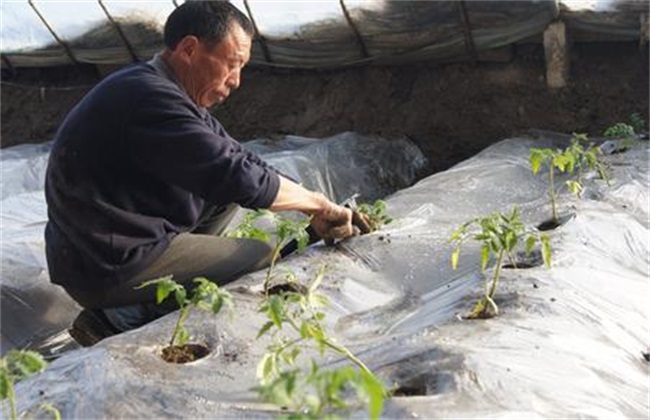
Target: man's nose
<point x="234" y="80"/>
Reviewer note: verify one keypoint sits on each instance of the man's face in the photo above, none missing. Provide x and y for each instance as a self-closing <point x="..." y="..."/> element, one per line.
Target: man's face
<point x="216" y="71"/>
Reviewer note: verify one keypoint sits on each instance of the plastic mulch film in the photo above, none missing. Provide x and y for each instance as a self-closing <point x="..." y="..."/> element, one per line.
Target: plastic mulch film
<point x="568" y="341"/>
<point x="345" y="164"/>
<point x="36" y="313"/>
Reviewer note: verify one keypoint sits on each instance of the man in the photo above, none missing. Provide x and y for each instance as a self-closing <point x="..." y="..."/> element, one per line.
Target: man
<point x="141" y="178"/>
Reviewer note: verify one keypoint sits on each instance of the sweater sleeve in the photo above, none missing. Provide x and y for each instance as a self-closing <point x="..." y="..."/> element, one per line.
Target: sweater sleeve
<point x="168" y="138"/>
<point x="220" y="130"/>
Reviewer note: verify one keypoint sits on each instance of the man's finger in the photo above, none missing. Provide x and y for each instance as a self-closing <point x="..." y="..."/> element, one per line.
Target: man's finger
<point x="361" y="221"/>
<point x="341" y="232"/>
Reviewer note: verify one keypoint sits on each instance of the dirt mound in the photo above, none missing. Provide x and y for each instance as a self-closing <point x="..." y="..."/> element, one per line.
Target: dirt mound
<point x="450" y="110"/>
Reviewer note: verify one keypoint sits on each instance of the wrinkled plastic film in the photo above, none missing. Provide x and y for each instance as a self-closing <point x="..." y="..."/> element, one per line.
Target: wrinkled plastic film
<point x="567" y="343"/>
<point x="36" y="313"/>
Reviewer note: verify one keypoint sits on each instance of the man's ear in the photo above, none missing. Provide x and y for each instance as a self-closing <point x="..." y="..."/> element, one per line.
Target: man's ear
<point x="187" y="47"/>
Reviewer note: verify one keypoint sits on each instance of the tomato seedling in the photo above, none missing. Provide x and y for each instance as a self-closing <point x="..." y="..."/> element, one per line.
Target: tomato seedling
<point x="499" y="234"/>
<point x="207" y="296"/>
<point x="567" y="160"/>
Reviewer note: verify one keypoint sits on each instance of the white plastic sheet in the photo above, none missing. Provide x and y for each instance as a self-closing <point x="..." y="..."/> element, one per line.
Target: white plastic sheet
<point x="36" y="313"/>
<point x="568" y="342"/>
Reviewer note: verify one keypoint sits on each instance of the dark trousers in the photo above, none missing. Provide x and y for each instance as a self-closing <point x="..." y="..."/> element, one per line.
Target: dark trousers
<point x="200" y="253"/>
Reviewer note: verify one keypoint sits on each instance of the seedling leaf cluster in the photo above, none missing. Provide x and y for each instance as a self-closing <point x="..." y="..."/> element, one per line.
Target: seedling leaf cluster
<point x="286" y="230"/>
<point x="376" y="214"/>
<point x="16" y="366"/>
<point x="317" y="392"/>
<point x="206" y="296"/>
<point x="499" y="235"/>
<point x="573" y="160"/>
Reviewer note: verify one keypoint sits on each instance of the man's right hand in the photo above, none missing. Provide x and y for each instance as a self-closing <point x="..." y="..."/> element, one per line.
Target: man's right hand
<point x="333" y="222"/>
<point x="329" y="220"/>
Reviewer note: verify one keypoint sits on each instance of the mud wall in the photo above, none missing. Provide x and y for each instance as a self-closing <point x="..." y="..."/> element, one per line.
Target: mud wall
<point x="450" y="110"/>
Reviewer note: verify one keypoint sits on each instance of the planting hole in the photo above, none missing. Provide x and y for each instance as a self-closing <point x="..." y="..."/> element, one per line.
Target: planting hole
<point x="521" y="260"/>
<point x="277" y="289"/>
<point x="551" y="224"/>
<point x="184" y="354"/>
<point x="415" y="386"/>
<point x="425" y="384"/>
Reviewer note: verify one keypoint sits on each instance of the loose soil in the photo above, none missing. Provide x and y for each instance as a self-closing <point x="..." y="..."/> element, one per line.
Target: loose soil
<point x="184" y="354"/>
<point x="451" y="111"/>
<point x="278" y="289"/>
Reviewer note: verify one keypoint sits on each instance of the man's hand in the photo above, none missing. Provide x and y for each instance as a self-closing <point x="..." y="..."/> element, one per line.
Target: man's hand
<point x="329" y="220"/>
<point x="333" y="222"/>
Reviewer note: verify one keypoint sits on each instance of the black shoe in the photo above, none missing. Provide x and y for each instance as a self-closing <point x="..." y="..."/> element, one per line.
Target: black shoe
<point x="91" y="326"/>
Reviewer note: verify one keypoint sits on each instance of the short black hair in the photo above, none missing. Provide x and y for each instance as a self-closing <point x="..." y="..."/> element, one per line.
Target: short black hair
<point x="209" y="21"/>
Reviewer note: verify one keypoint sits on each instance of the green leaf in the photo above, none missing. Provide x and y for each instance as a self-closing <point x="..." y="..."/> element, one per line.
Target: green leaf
<point x="560" y="162"/>
<point x="276" y="311"/>
<point x="570" y="162"/>
<point x="247" y="228"/>
<point x="164" y="286"/>
<point x="580" y="138"/>
<point x="31" y="362"/>
<point x="495" y="244"/>
<point x="163" y="290"/>
<point x="154" y="281"/>
<point x="217" y="305"/>
<point x="24" y="363"/>
<point x="376" y="393"/>
<point x="536" y="159"/>
<point x="318" y="300"/>
<point x="5" y="384"/>
<point x="637" y="122"/>
<point x="530" y="244"/>
<point x="265" y="328"/>
<point x="266" y="367"/>
<point x="317" y="280"/>
<point x="574" y="187"/>
<point x="510" y="240"/>
<point x="180" y="295"/>
<point x="305" y="330"/>
<point x="485" y="256"/>
<point x="619" y="130"/>
<point x="454" y="257"/>
<point x="293" y="354"/>
<point x="302" y="237"/>
<point x="546" y="249"/>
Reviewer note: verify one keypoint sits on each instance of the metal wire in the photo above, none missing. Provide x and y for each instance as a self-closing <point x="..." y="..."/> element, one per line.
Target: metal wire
<point x="67" y="49"/>
<point x="467" y="31"/>
<point x="357" y="34"/>
<point x="260" y="38"/>
<point x="121" y="34"/>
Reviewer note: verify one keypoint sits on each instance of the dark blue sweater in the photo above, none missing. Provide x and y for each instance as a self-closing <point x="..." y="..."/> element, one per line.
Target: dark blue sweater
<point x="133" y="165"/>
